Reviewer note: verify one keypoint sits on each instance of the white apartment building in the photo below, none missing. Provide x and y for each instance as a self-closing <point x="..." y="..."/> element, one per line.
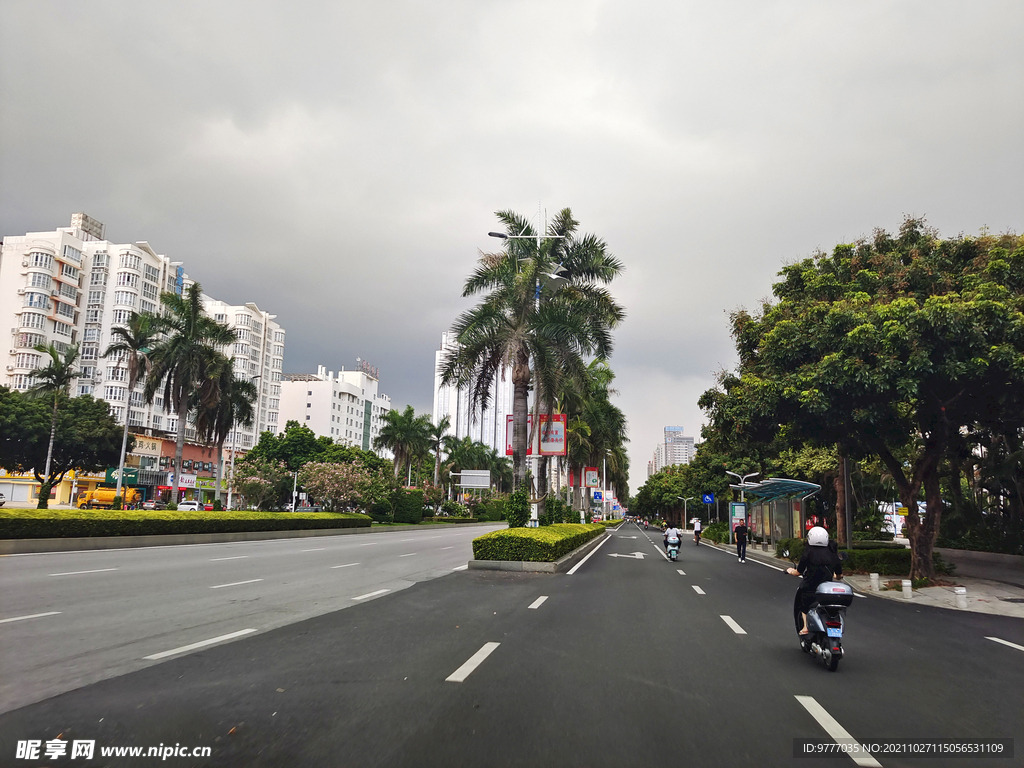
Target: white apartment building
<point x="675" y="448"/>
<point x="485" y="425"/>
<point x="345" y="406"/>
<point x="73" y="286"/>
<point x="258" y="355"/>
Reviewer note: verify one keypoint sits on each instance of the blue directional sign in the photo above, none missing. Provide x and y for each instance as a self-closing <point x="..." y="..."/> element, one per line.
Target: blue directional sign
<point x="708" y="498"/>
<point x="598" y="495"/>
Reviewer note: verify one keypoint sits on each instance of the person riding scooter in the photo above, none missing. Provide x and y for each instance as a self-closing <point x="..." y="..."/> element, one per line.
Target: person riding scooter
<point x="818" y="564"/>
<point x="696" y="531"/>
<point x="673" y="535"/>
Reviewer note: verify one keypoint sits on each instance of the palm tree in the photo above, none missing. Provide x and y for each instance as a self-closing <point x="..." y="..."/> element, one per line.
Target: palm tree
<point x="53" y="379"/>
<point x="406" y="435"/>
<point x="436" y="436"/>
<point x="132" y="343"/>
<point x="543" y="341"/>
<point x="185" y="360"/>
<point x="232" y="406"/>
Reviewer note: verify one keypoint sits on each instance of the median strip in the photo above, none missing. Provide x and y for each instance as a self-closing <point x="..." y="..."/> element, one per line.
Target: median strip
<point x="30" y="616"/>
<point x="236" y="583"/>
<point x="475" y="661"/>
<point x="200" y="644"/>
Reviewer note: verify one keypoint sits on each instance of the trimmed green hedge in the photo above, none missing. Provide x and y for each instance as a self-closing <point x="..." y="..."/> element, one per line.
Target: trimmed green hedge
<point x="450" y="520"/>
<point x="67" y="523"/>
<point x="544" y="545"/>
<point x="883" y="558"/>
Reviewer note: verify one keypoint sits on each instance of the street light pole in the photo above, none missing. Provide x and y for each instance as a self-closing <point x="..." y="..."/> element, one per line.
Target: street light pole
<point x="685" y="513"/>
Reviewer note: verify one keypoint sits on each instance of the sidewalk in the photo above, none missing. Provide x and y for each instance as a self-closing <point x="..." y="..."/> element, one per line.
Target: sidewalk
<point x="983" y="595"/>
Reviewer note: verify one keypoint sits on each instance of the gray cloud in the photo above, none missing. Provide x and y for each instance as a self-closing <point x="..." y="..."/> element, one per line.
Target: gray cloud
<point x="339" y="163"/>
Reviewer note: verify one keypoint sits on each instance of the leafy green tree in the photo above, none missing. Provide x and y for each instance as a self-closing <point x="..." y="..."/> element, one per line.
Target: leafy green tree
<point x="185" y="360"/>
<point x="406" y="435"/>
<point x="86" y="437"/>
<point x="887" y="347"/>
<point x="436" y="438"/>
<point x="52" y="383"/>
<point x="294" y="447"/>
<point x="263" y="482"/>
<point x="131" y="344"/>
<point x="543" y="340"/>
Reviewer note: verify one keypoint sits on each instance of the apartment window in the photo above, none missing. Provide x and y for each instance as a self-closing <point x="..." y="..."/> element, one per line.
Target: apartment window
<point x="151" y="273"/>
<point x="279" y="336"/>
<point x="69" y="291"/>
<point x="241" y="349"/>
<point x="242" y="334"/>
<point x="128" y="279"/>
<point x="309" y="405"/>
<point x="257" y="328"/>
<point x="157" y="421"/>
<point x="220" y="318"/>
<point x="116" y="412"/>
<point x="90" y="351"/>
<point x="73" y="253"/>
<point x="26" y="360"/>
<point x="125" y="298"/>
<point x="148" y="307"/>
<point x="149" y="291"/>
<point x="84" y="389"/>
<point x="100" y="259"/>
<point x="278" y="350"/>
<point x="22" y="381"/>
<point x="243" y="320"/>
<point x="136" y="418"/>
<point x="136" y="399"/>
<point x="30" y="340"/>
<point x="97" y="297"/>
<point x="69" y="272"/>
<point x="62" y="329"/>
<point x="93" y="315"/>
<point x="98" y="278"/>
<point x="42" y="260"/>
<point x="88" y="371"/>
<point x="121" y="316"/>
<point x="131" y="261"/>
<point x="40" y="280"/>
<point x="116" y="373"/>
<point x="32" y="320"/>
<point x="91" y="334"/>
<point x="37" y="300"/>
<point x="65" y="310"/>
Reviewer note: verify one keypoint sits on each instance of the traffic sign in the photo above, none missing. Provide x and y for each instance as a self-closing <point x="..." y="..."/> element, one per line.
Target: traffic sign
<point x="708" y="498"/>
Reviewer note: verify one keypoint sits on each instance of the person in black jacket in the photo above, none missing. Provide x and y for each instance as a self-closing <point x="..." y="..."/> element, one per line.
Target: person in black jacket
<point x="741" y="532"/>
<point x="819" y="563"/>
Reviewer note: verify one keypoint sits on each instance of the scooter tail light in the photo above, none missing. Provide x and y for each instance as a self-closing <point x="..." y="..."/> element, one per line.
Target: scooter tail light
<point x="834" y="623"/>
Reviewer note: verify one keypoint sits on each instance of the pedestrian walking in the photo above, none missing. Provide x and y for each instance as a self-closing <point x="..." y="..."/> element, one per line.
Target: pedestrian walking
<point x="741" y="541"/>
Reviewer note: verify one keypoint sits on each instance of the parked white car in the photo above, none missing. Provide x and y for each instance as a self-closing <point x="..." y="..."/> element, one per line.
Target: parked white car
<point x="191" y="506"/>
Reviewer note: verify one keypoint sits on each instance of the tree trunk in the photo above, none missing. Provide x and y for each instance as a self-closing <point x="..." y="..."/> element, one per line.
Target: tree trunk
<point x="520" y="392"/>
<point x="179" y="448"/>
<point x="839" y="483"/>
<point x="220" y="471"/>
<point x="924" y="533"/>
<point x="47" y="484"/>
<point x="124" y="450"/>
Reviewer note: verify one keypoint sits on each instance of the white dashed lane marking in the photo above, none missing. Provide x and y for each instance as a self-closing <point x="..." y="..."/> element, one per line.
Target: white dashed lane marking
<point x="76" y="573"/>
<point x="475" y="661"/>
<point x="31" y="616"/>
<point x="538" y="602"/>
<point x="733" y="625"/>
<point x="236" y="583"/>
<point x="697" y="589"/>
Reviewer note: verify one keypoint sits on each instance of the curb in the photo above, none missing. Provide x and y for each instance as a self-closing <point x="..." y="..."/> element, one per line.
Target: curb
<point x="42" y="546"/>
<point x="560" y="565"/>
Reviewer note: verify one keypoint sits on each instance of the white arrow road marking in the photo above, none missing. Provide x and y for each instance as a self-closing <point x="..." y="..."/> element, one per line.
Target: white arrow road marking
<point x="836" y="731"/>
<point x="538" y="602"/>
<point x="733" y="625"/>
<point x="631" y="556"/>
<point x="1006" y="642"/>
<point x="698" y="590"/>
<point x="36" y="616"/>
<point x="475" y="660"/>
<point x="201" y="644"/>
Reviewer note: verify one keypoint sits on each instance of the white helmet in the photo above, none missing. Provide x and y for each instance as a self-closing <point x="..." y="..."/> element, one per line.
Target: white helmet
<point x="817" y="537"/>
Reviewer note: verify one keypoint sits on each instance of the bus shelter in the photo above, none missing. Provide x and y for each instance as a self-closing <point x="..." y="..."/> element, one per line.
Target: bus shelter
<point x="778" y="508"/>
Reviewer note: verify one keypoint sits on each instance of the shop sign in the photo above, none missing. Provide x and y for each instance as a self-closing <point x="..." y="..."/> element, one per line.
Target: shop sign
<point x="130" y="477"/>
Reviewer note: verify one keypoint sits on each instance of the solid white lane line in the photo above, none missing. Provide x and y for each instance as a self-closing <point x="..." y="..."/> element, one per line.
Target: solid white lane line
<point x="30" y="616"/>
<point x="236" y="583"/>
<point x="1006" y="642"/>
<point x="768" y="565"/>
<point x="371" y="594"/>
<point x="538" y="602"/>
<point x="698" y="590"/>
<point x="733" y="625"/>
<point x="400" y="541"/>
<point x="839" y="734"/>
<point x="461" y="568"/>
<point x="408" y="555"/>
<point x="76" y="573"/>
<point x="369" y="544"/>
<point x="475" y="660"/>
<point x="858" y="594"/>
<point x="201" y="644"/>
<point x="346" y="565"/>
<point x="236" y="557"/>
<point x="576" y="567"/>
<point x="681" y="573"/>
<point x="318" y="549"/>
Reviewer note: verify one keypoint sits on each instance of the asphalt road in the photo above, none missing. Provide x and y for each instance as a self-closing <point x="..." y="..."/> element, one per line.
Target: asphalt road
<point x="100" y="613"/>
<point x="623" y="663"/>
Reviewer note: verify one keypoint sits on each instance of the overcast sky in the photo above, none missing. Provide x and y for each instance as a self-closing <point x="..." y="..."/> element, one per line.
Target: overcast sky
<point x="339" y="163"/>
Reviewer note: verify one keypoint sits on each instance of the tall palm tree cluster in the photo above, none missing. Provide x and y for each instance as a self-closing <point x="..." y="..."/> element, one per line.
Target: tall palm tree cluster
<point x="412" y="438"/>
<point x="179" y="350"/>
<point x="546" y="315"/>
